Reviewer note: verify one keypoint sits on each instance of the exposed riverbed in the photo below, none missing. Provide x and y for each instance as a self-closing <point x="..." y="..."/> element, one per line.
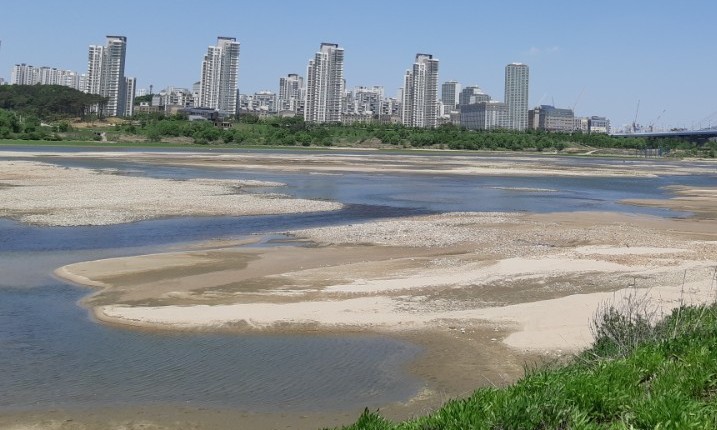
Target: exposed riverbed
<point x="59" y="357"/>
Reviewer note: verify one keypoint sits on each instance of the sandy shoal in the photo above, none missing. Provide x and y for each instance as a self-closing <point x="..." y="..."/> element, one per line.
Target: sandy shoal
<point x="414" y="162"/>
<point x="540" y="276"/>
<point x="483" y="293"/>
<point x="45" y="194"/>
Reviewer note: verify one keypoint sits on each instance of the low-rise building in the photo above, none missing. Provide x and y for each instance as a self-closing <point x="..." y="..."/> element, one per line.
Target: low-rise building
<point x="599" y="124"/>
<point x="261" y="102"/>
<point x="195" y="113"/>
<point x="489" y="115"/>
<point x="550" y="118"/>
<point x="593" y="124"/>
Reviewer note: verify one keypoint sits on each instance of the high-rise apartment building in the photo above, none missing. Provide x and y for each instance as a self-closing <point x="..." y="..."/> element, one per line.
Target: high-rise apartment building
<point x="130" y="85"/>
<point x="291" y="88"/>
<point x="105" y="74"/>
<point x="420" y="93"/>
<point x="114" y="82"/>
<point x="24" y="74"/>
<point x="94" y="69"/>
<point x="220" y="73"/>
<point x="449" y="95"/>
<point x="516" y="95"/>
<point x="325" y="85"/>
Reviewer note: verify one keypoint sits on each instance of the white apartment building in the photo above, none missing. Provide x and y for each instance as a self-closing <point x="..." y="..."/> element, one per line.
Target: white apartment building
<point x="325" y="85"/>
<point x="130" y="91"/>
<point x="24" y="74"/>
<point x="94" y="69"/>
<point x="420" y="93"/>
<point x="172" y="96"/>
<point x="365" y="100"/>
<point x="516" y="95"/>
<point x="105" y="75"/>
<point x="220" y="73"/>
<point x="291" y="89"/>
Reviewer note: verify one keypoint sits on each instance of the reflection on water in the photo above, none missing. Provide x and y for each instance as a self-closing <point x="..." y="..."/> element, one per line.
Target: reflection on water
<point x="52" y="354"/>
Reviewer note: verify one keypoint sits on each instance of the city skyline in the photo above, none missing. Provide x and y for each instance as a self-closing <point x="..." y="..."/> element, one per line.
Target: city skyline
<point x="600" y="61"/>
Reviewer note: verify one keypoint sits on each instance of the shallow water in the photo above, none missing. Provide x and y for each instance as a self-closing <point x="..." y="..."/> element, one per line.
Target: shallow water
<point x="53" y="355"/>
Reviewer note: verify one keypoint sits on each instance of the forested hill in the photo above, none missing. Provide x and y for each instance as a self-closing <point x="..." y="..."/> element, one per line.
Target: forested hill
<point x="48" y="102"/>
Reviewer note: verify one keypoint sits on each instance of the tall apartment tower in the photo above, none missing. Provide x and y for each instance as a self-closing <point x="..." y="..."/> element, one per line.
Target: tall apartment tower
<point x="325" y="85"/>
<point x="420" y="93"/>
<point x="105" y="74"/>
<point x="290" y="92"/>
<point x="220" y="73"/>
<point x="516" y="95"/>
<point x="130" y="91"/>
<point x="449" y="95"/>
<point x="94" y="69"/>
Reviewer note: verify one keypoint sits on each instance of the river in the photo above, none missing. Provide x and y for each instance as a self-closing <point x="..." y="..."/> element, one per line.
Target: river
<point x="52" y="354"/>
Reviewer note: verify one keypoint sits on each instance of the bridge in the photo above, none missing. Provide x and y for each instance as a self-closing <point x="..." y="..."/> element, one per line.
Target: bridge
<point x="697" y="136"/>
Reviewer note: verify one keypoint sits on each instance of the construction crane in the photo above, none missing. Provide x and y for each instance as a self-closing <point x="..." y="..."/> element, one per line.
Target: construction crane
<point x="634" y="121"/>
<point x="578" y="99"/>
<point x="652" y="124"/>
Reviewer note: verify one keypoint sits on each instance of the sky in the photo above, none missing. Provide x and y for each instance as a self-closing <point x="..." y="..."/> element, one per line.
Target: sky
<point x="601" y="58"/>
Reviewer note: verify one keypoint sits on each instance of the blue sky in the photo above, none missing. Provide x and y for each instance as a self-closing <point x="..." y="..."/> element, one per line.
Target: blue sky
<point x="601" y="57"/>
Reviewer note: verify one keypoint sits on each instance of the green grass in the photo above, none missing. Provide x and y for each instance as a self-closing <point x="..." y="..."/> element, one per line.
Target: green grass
<point x="636" y="375"/>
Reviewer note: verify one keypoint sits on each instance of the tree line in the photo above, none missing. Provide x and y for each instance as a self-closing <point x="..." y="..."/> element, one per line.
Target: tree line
<point x="251" y="130"/>
<point x="24" y="109"/>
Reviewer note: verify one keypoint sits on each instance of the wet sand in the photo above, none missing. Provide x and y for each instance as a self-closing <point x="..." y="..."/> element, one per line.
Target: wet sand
<point x="541" y="275"/>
